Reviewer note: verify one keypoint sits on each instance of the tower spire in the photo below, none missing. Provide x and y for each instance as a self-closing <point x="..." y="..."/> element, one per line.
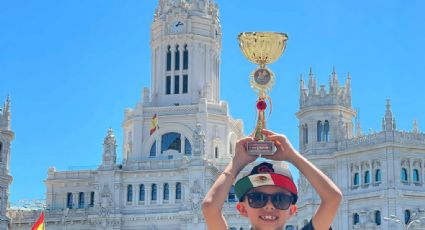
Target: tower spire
<point x="388" y="122"/>
<point x="5" y="115"/>
<point x="358" y="124"/>
<point x="415" y="126"/>
<point x="311" y="83"/>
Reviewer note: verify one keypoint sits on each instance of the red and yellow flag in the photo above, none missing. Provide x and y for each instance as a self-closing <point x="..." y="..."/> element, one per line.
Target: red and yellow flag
<point x="39" y="224"/>
<point x="154" y="124"/>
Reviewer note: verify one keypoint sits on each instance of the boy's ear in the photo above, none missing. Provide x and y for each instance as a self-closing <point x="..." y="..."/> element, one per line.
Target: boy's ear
<point x="293" y="209"/>
<point x="242" y="209"/>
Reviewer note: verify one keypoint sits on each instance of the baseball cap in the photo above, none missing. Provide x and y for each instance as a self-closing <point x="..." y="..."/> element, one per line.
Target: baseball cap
<point x="264" y="174"/>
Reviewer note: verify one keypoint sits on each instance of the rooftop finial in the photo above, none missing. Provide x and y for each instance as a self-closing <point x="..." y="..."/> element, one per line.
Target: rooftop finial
<point x="388" y="121"/>
<point x="415" y="126"/>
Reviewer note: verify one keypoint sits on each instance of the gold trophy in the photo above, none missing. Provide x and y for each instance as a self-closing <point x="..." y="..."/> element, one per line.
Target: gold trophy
<point x="262" y="48"/>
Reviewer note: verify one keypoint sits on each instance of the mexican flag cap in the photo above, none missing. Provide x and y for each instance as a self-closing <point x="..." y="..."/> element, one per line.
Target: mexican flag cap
<point x="264" y="174"/>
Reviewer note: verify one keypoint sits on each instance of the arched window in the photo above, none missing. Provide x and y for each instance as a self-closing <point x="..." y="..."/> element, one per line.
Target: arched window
<point x="378" y="218"/>
<point x="178" y="191"/>
<point x="356" y="179"/>
<point x="152" y="152"/>
<point x="356" y="219"/>
<point x="216" y="152"/>
<point x="142" y="192"/>
<point x="367" y="177"/>
<point x="177" y="58"/>
<point x="69" y="200"/>
<point x="230" y="148"/>
<point x="91" y="199"/>
<point x="416" y="175"/>
<point x="404" y="174"/>
<point x="168" y="58"/>
<point x="319" y="131"/>
<point x="171" y="141"/>
<point x="81" y="200"/>
<point x="129" y="193"/>
<point x="232" y="197"/>
<point x="289" y="227"/>
<point x="326" y="131"/>
<point x="377" y="175"/>
<point x="166" y="192"/>
<point x="406" y="216"/>
<point x="187" y="147"/>
<point x="185" y="58"/>
<point x="154" y="192"/>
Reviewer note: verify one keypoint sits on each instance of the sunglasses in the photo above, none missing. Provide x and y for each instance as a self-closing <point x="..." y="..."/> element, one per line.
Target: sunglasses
<point x="259" y="200"/>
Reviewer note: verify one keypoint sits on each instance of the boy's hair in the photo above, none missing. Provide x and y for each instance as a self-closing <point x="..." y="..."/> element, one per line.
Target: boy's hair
<point x="264" y="174"/>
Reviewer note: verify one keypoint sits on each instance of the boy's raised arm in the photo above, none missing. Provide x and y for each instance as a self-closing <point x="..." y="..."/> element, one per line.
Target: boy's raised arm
<point x="329" y="193"/>
<point x="217" y="195"/>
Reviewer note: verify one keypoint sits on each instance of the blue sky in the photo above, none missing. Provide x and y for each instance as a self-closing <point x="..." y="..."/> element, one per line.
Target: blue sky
<point x="72" y="67"/>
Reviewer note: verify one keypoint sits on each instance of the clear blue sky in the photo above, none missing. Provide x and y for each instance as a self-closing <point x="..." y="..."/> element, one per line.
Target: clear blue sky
<point x="72" y="67"/>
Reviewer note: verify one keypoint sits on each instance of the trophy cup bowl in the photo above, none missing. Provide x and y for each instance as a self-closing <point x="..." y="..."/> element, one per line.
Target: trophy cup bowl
<point x="262" y="47"/>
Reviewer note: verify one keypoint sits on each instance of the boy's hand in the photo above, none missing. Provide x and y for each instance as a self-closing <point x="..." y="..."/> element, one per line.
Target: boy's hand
<point x="284" y="149"/>
<point x="241" y="158"/>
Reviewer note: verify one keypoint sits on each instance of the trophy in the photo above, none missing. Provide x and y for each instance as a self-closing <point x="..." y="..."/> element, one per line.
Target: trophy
<point x="262" y="48"/>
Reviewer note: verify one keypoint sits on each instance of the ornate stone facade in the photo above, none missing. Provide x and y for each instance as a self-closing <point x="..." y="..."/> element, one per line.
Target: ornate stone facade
<point x="380" y="174"/>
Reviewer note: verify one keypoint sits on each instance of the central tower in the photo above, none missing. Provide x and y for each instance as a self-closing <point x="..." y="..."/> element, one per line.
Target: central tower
<point x="186" y="46"/>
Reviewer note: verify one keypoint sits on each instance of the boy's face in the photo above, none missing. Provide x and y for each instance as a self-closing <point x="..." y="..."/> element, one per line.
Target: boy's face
<point x="267" y="217"/>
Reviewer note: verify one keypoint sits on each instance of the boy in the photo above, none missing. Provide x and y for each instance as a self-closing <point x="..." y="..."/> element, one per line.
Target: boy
<point x="267" y="197"/>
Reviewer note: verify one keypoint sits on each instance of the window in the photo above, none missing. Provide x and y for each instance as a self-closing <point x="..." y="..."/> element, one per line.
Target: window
<point x="171" y="141"/>
<point x="176" y="84"/>
<point x="356" y="179"/>
<point x="305" y="133"/>
<point x="185" y="58"/>
<point x="232" y="197"/>
<point x="177" y="58"/>
<point x="377" y="175"/>
<point x="230" y="148"/>
<point x="377" y="217"/>
<point x="406" y="216"/>
<point x="129" y="193"/>
<point x="185" y="83"/>
<point x="416" y="175"/>
<point x="367" y="177"/>
<point x="91" y="199"/>
<point x="1" y="151"/>
<point x="233" y="228"/>
<point x="356" y="219"/>
<point x="154" y="192"/>
<point x="168" y="85"/>
<point x="404" y="175"/>
<point x="69" y="199"/>
<point x="166" y="192"/>
<point x="142" y="192"/>
<point x="289" y="227"/>
<point x="152" y="152"/>
<point x="187" y="147"/>
<point x="216" y="152"/>
<point x="319" y="131"/>
<point x="326" y="131"/>
<point x="81" y="200"/>
<point x="178" y="191"/>
<point x="168" y="58"/>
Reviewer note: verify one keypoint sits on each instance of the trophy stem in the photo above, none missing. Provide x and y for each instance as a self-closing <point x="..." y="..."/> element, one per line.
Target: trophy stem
<point x="261" y="124"/>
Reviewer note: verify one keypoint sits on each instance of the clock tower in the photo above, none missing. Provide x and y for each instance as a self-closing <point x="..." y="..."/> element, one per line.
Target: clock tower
<point x="186" y="46"/>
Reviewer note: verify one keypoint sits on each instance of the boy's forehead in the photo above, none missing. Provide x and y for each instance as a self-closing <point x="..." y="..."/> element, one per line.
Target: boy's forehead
<point x="270" y="189"/>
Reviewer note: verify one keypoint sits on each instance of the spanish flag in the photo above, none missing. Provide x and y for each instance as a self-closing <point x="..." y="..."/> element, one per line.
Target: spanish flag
<point x="154" y="124"/>
<point x="39" y="225"/>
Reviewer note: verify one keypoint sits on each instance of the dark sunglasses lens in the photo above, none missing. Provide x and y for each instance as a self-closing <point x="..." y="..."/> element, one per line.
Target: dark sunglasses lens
<point x="281" y="201"/>
<point x="257" y="200"/>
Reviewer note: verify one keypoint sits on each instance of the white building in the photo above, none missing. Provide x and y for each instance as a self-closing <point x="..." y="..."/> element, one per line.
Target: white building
<point x="380" y="174"/>
<point x="164" y="176"/>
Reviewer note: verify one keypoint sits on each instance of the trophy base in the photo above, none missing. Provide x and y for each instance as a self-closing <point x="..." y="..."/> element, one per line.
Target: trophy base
<point x="260" y="148"/>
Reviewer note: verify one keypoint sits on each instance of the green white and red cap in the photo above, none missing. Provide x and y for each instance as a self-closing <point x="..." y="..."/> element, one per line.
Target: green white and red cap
<point x="264" y="174"/>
